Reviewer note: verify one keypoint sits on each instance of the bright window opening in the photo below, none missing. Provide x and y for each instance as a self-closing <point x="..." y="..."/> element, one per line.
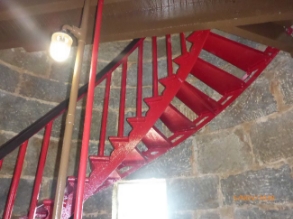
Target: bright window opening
<point x="140" y="199"/>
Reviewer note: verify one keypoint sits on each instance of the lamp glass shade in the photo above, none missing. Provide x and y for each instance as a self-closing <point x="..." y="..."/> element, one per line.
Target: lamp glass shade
<point x="60" y="46"/>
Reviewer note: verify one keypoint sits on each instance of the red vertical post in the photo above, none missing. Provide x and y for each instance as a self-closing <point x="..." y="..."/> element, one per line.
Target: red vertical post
<point x="183" y="43"/>
<point x="1" y="163"/>
<point x="169" y="55"/>
<point x="40" y="170"/>
<point x="15" y="181"/>
<point x="103" y="131"/>
<point x="122" y="100"/>
<point x="139" y="81"/>
<point x="88" y="117"/>
<point x="155" y="66"/>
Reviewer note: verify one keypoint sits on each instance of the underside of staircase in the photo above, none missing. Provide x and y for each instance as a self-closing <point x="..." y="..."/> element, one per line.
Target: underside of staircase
<point x="160" y="122"/>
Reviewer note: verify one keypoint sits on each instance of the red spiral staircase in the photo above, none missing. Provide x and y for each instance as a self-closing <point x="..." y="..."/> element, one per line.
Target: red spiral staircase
<point x="179" y="82"/>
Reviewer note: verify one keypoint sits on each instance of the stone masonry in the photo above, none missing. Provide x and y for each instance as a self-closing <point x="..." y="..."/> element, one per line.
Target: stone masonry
<point x="239" y="166"/>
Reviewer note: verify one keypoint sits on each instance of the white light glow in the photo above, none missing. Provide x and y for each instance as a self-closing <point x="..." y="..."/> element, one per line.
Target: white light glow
<point x="145" y="199"/>
<point x="60" y="46"/>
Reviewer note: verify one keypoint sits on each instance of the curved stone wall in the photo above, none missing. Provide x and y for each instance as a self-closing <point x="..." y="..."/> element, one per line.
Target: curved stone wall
<point x="239" y="166"/>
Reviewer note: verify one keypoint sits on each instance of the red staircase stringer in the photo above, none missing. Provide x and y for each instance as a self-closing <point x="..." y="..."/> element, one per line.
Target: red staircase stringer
<point x="126" y="158"/>
<point x="141" y="126"/>
<point x="104" y="168"/>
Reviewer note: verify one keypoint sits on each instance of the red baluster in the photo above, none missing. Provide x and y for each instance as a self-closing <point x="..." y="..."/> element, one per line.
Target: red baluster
<point x="1" y="163"/>
<point x="139" y="81"/>
<point x="15" y="181"/>
<point x="88" y="117"/>
<point x="183" y="43"/>
<point x="122" y="100"/>
<point x="169" y="55"/>
<point x="40" y="170"/>
<point x="155" y="66"/>
<point x="105" y="116"/>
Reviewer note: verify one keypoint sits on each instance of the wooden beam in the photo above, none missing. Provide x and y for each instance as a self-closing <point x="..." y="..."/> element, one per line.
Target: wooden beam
<point x="270" y="34"/>
<point x="128" y="19"/>
<point x="18" y="11"/>
<point x="193" y="15"/>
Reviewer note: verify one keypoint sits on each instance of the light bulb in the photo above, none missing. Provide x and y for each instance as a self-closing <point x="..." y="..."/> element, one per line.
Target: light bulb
<point x="60" y="46"/>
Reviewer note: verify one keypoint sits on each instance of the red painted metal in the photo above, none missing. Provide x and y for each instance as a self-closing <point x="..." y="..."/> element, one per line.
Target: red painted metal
<point x="122" y="100"/>
<point x="155" y="66"/>
<point x="200" y="103"/>
<point x="216" y="78"/>
<point x="169" y="54"/>
<point x="15" y="181"/>
<point x="40" y="170"/>
<point x="141" y="126"/>
<point x="105" y="117"/>
<point x="88" y="116"/>
<point x="139" y="81"/>
<point x="183" y="43"/>
<point x="1" y="163"/>
<point x="175" y="120"/>
<point x="239" y="55"/>
<point x="289" y="30"/>
<point x="126" y="157"/>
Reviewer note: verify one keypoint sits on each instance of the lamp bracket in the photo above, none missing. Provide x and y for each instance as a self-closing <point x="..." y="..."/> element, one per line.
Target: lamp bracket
<point x="76" y="31"/>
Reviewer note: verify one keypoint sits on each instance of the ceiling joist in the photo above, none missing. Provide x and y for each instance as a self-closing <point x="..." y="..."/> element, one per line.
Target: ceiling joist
<point x="128" y="19"/>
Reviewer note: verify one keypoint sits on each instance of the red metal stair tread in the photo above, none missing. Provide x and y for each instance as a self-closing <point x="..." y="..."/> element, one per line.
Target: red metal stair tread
<point x="237" y="54"/>
<point x="155" y="139"/>
<point x="196" y="100"/>
<point x="175" y="120"/>
<point x="216" y="78"/>
<point x="118" y="142"/>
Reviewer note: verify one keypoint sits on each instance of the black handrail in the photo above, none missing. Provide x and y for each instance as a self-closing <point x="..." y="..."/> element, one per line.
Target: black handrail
<point x="27" y="133"/>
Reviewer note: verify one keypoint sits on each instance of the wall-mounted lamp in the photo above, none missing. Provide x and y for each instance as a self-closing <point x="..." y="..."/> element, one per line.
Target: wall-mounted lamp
<point x="60" y="46"/>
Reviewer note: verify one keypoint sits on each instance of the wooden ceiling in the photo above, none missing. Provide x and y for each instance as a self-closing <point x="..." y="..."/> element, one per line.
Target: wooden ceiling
<point x="30" y="23"/>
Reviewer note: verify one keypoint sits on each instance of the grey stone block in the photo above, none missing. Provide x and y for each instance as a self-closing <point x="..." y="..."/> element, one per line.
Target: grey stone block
<point x="264" y="182"/>
<point x="192" y="193"/>
<point x="100" y="216"/>
<point x="63" y="72"/>
<point x="238" y="39"/>
<point x="272" y="139"/>
<point x="257" y="213"/>
<point x="147" y="72"/>
<point x="208" y="57"/>
<point x="44" y="89"/>
<point x="9" y="79"/>
<point x="48" y="189"/>
<point x="4" y="189"/>
<point x="17" y="113"/>
<point x="23" y="193"/>
<point x="256" y="102"/>
<point x="161" y="48"/>
<point x="99" y="98"/>
<point x="59" y="124"/>
<point x="131" y="97"/>
<point x="181" y="215"/>
<point x="108" y="51"/>
<point x="175" y="163"/>
<point x="223" y="152"/>
<point x="283" y="70"/>
<point x="35" y="62"/>
<point x="209" y="215"/>
<point x="10" y="159"/>
<point x="100" y="202"/>
<point x="52" y="159"/>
